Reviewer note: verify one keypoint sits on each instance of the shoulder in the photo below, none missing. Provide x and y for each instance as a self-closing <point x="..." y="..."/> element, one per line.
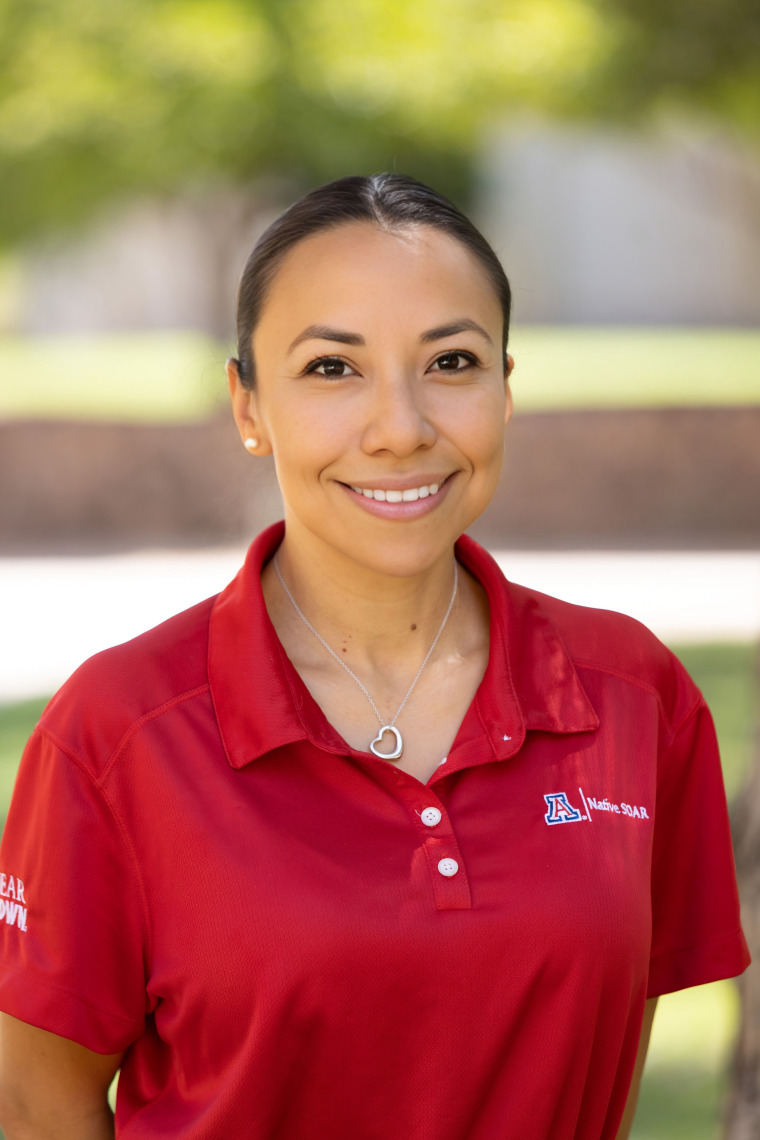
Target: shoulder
<point x="603" y="647"/>
<point x="120" y="687"/>
<point x="608" y="643"/>
<point x="597" y="636"/>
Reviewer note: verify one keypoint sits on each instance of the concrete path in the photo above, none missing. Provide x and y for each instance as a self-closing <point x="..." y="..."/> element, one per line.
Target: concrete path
<point x="55" y="612"/>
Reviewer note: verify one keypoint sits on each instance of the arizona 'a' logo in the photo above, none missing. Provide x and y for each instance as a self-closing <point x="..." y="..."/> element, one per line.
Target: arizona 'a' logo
<point x="560" y="809"/>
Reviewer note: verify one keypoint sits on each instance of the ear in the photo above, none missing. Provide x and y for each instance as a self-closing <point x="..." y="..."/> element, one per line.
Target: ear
<point x="507" y="374"/>
<point x="245" y="411"/>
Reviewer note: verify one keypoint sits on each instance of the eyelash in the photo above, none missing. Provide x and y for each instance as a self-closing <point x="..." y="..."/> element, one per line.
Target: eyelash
<point x="470" y="358"/>
<point x="313" y="365"/>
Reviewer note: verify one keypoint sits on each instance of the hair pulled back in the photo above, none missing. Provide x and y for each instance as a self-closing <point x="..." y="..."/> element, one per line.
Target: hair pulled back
<point x="390" y="201"/>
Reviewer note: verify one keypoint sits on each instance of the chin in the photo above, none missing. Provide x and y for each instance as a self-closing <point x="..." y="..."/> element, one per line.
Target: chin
<point x="403" y="559"/>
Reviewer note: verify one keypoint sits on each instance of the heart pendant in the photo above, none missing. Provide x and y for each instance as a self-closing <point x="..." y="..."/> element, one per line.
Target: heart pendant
<point x="394" y="755"/>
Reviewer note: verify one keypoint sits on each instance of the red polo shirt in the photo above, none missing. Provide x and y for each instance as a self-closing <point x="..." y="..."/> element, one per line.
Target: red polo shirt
<point x="292" y="939"/>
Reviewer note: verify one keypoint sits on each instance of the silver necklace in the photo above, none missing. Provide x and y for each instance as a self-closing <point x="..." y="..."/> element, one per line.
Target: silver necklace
<point x="391" y="726"/>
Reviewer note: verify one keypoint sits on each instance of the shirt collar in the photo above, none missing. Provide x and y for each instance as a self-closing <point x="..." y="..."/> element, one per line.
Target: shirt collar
<point x="262" y="704"/>
<point x="530" y="683"/>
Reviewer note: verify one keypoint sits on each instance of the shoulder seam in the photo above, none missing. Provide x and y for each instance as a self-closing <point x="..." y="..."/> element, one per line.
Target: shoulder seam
<point x="144" y="719"/>
<point x="697" y="703"/>
<point x="629" y="677"/>
<point x="77" y="761"/>
<point x="673" y="729"/>
<point x="73" y="756"/>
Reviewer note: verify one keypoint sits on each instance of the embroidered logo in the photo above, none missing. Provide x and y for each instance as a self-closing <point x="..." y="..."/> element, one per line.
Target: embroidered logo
<point x="11" y="900"/>
<point x="562" y="811"/>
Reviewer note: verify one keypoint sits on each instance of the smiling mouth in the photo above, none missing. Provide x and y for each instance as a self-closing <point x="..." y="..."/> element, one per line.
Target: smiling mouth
<point x="410" y="495"/>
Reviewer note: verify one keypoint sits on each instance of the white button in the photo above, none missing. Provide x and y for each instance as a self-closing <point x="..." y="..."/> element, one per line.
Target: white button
<point x="430" y="816"/>
<point x="448" y="867"/>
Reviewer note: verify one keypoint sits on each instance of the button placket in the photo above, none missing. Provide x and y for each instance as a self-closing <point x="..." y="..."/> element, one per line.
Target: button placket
<point x="448" y="875"/>
<point x="451" y="887"/>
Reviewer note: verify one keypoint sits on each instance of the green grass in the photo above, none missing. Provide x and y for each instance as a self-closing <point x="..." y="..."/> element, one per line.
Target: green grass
<point x="684" y="1084"/>
<point x="679" y="1104"/>
<point x="179" y="376"/>
<point x="726" y="674"/>
<point x="684" y="1081"/>
<point x="16" y="723"/>
<point x="633" y="367"/>
<point x="172" y="377"/>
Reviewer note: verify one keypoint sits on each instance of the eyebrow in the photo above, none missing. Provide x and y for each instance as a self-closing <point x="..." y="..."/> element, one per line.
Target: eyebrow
<point x="341" y="336"/>
<point x="324" y="332"/>
<point x="444" y="331"/>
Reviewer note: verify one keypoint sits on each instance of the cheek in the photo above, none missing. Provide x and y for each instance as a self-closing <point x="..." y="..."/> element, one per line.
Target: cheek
<point x="480" y="427"/>
<point x="306" y="437"/>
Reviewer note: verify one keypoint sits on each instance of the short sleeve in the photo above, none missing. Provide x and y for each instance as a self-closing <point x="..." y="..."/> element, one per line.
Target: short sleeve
<point x="696" y="931"/>
<point x="72" y="928"/>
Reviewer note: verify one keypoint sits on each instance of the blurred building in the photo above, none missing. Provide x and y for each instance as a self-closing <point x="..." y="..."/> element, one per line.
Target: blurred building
<point x="598" y="227"/>
<point x="167" y="264"/>
<point x="594" y="227"/>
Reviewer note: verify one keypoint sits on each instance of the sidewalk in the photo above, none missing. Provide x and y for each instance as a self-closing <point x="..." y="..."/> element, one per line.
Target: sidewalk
<point x="55" y="612"/>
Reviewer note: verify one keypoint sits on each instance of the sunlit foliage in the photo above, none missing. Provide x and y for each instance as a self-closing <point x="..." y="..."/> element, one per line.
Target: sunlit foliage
<point x="105" y="98"/>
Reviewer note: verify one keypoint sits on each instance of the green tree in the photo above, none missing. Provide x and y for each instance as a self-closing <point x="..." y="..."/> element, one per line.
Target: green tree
<point x="101" y="99"/>
<point x="696" y="53"/>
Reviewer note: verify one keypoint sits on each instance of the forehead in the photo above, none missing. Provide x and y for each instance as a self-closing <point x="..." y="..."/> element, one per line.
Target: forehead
<point x="362" y="272"/>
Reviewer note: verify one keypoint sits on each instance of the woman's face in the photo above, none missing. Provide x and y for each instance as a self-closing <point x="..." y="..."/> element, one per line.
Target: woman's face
<point x="381" y="393"/>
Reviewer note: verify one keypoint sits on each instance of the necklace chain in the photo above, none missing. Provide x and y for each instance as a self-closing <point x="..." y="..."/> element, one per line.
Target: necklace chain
<point x="343" y="665"/>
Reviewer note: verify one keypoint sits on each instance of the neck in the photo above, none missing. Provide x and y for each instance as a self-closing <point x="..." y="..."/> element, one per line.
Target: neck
<point x="368" y="616"/>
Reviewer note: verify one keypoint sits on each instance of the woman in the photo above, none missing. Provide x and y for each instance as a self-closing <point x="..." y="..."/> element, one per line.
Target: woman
<point x="374" y="844"/>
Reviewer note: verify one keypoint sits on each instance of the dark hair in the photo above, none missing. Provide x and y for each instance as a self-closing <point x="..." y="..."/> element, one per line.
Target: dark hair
<point x="390" y="201"/>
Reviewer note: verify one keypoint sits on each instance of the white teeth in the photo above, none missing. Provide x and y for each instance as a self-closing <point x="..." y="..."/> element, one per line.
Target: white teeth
<point x="411" y="495"/>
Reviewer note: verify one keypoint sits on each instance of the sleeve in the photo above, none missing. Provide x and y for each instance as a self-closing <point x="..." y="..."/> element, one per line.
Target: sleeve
<point x="696" y="930"/>
<point x="72" y="916"/>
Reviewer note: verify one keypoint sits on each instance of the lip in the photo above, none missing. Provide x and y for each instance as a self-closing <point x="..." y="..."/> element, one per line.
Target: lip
<point x="401" y="510"/>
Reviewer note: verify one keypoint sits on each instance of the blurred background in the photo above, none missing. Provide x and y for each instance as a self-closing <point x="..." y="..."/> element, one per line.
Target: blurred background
<point x="610" y="150"/>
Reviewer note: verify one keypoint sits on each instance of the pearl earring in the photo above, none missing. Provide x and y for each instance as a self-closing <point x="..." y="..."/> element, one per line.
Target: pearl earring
<point x="251" y="443"/>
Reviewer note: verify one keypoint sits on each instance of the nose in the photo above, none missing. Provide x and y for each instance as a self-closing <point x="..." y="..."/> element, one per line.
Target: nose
<point x="398" y="421"/>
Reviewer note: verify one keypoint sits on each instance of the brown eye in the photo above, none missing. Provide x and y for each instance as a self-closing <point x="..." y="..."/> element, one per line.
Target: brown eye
<point x="454" y="361"/>
<point x="332" y="367"/>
